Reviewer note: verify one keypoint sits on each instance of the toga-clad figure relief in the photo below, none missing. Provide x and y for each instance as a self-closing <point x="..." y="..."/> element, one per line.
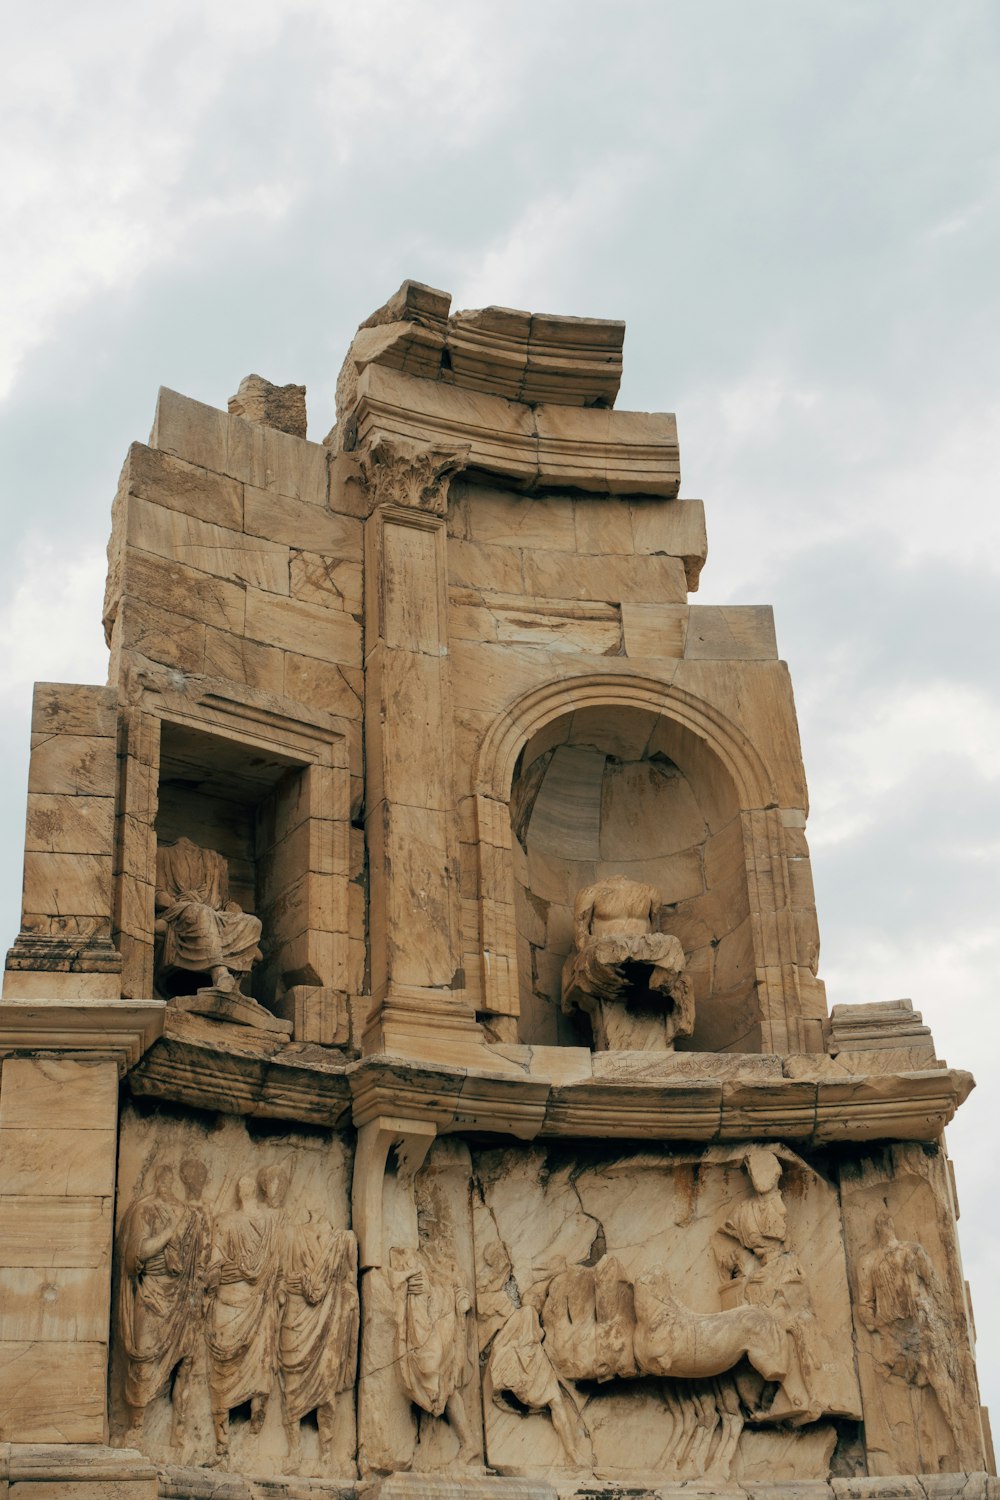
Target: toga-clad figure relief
<point x="625" y="975"/>
<point x="199" y="930"/>
<point x="245" y="1286"/>
<point x="433" y="1308"/>
<point x="319" y="1313"/>
<point x="222" y="1310"/>
<point x="163" y="1253"/>
<point x="902" y="1303"/>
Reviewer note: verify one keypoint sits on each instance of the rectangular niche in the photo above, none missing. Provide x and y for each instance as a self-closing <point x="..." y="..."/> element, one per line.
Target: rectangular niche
<point x="241" y="802"/>
<point x="278" y="815"/>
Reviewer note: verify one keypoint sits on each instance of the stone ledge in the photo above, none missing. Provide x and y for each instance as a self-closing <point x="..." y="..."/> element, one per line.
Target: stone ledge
<point x="95" y="1471"/>
<point x="557" y="447"/>
<point x="523" y="356"/>
<point x="90" y="1471"/>
<point x="683" y="1096"/>
<point x="213" y="1065"/>
<point x="177" y="1483"/>
<point x="121" y="1029"/>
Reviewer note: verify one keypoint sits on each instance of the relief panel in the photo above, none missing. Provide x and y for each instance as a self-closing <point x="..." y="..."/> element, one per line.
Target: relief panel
<point x="235" y="1306"/>
<point x="911" y="1323"/>
<point x="419" y="1390"/>
<point x="684" y="1314"/>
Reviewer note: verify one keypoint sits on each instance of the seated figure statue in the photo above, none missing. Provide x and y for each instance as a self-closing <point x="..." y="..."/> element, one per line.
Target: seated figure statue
<point x="626" y="976"/>
<point x="198" y="929"/>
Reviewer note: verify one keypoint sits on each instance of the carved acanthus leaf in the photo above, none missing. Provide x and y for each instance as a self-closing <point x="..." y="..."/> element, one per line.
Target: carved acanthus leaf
<point x="403" y="473"/>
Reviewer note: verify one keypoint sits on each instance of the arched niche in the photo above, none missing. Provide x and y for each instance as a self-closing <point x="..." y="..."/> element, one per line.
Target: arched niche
<point x="606" y="790"/>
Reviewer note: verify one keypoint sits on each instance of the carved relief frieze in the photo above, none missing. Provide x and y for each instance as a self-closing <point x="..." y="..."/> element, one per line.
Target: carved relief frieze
<point x="419" y="1388"/>
<point x="658" y="1312"/>
<point x="911" y="1315"/>
<point x="237" y="1300"/>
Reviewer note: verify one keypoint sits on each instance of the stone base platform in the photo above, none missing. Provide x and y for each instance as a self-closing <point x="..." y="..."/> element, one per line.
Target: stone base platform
<point x="75" y="1471"/>
<point x="32" y="1471"/>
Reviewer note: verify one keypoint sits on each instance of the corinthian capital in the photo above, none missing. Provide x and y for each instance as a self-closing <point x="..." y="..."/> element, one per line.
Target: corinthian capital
<point x="400" y="472"/>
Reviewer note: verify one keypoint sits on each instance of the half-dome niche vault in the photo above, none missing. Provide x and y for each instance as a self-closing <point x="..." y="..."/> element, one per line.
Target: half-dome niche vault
<point x="415" y="1069"/>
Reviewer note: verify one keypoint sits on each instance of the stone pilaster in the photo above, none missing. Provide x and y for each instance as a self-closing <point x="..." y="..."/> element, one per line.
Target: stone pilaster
<point x="58" y="1153"/>
<point x="415" y="937"/>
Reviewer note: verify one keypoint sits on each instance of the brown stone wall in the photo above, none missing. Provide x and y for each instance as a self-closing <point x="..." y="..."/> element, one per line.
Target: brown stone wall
<point x="64" y="946"/>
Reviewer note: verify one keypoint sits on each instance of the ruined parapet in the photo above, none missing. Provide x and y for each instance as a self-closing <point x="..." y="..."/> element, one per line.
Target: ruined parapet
<point x="416" y="1070"/>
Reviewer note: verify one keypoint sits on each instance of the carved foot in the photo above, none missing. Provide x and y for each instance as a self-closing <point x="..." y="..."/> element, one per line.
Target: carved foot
<point x="258" y="1411"/>
<point x="293" y="1463"/>
<point x="220" y="1458"/>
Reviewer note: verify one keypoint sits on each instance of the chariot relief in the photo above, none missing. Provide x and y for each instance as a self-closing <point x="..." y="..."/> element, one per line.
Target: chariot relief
<point x="725" y="1361"/>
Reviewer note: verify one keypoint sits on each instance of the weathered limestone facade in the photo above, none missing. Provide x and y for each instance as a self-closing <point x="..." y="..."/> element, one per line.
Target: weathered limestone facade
<point x="415" y="1074"/>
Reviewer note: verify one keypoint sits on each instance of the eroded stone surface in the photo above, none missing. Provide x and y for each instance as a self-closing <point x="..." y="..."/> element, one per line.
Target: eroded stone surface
<point x="490" y="1136"/>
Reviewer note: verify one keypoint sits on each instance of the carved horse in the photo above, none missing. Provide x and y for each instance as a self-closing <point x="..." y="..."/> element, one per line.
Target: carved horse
<point x="672" y="1340"/>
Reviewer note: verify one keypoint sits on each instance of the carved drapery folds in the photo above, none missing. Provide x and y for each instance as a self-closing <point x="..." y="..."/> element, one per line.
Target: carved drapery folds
<point x="200" y="930"/>
<point x="432" y="1305"/>
<point x="237" y="1309"/>
<point x="903" y="1305"/>
<point x="164" y="1248"/>
<point x="627" y="976"/>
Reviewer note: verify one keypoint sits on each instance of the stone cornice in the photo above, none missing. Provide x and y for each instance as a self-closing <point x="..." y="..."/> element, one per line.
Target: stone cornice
<point x="120" y="1029"/>
<point x="541" y="447"/>
<point x="683" y="1097"/>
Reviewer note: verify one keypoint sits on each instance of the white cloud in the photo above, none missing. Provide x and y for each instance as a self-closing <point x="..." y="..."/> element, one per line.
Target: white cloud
<point x="892" y="738"/>
<point x="50" y="627"/>
<point x="102" y="138"/>
<point x="530" y="264"/>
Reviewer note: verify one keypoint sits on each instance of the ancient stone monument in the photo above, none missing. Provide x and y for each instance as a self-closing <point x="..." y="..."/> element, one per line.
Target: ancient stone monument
<point x="415" y="1072"/>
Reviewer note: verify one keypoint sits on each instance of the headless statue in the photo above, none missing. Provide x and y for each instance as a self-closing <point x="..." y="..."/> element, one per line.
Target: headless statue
<point x="626" y="976"/>
<point x="200" y="930"/>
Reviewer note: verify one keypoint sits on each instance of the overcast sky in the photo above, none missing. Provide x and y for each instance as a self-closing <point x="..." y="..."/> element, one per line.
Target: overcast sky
<point x="796" y="208"/>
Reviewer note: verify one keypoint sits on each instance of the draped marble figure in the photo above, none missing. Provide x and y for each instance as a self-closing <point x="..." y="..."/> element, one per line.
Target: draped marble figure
<point x="902" y="1303"/>
<point x="318" y="1335"/>
<point x="244" y="1282"/>
<point x="625" y="975"/>
<point x="199" y="929"/>
<point x="432" y="1338"/>
<point x="163" y="1255"/>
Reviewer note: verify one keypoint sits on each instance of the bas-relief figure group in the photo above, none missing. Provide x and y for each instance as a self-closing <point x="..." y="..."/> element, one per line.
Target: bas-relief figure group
<point x="271" y="1302"/>
<point x="261" y="1299"/>
<point x="481" y="1119"/>
<point x="761" y="1360"/>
